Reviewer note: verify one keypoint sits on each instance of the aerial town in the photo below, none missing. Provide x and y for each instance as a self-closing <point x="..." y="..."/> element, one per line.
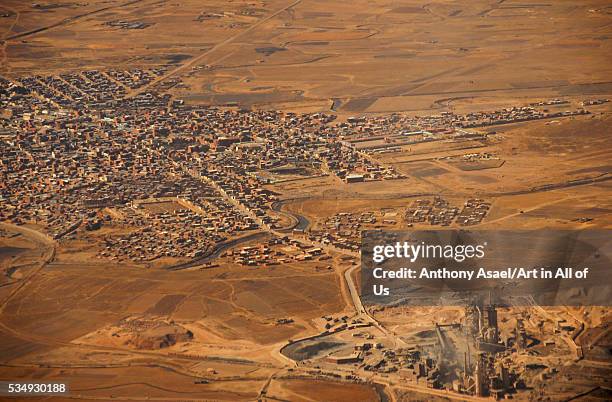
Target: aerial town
<point x="51" y="179"/>
<point x="186" y="190"/>
<point x="197" y="173"/>
<point x="155" y="181"/>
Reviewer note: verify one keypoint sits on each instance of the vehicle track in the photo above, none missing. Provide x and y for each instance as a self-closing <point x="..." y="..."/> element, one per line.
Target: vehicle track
<point x="67" y="21"/>
<point x="216" y="47"/>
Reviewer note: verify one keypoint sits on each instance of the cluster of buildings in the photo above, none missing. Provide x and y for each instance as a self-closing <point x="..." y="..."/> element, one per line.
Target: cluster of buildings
<point x="278" y="250"/>
<point x="440" y="212"/>
<point x="513" y="114"/>
<point x="136" y="77"/>
<point x="550" y="102"/>
<point x="473" y="212"/>
<point x="436" y="212"/>
<point x="87" y="164"/>
<point x="398" y="126"/>
<point x="343" y="230"/>
<point x="475" y="157"/>
<point x="594" y="102"/>
<point x="190" y="230"/>
<point x="67" y="170"/>
<point x="76" y="152"/>
<point x="348" y="164"/>
<point x="90" y="89"/>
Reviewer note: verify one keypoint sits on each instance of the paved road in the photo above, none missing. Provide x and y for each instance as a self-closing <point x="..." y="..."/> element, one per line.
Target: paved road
<point x="348" y="276"/>
<point x="302" y="221"/>
<point x="218" y="250"/>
